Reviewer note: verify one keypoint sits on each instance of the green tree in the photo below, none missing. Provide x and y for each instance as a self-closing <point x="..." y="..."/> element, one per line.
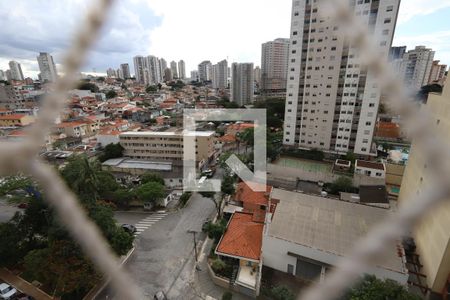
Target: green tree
<point x="88" y="86"/>
<point x="372" y="288"/>
<point x="342" y="184"/>
<point x="111" y="94"/>
<point x="281" y="293"/>
<point x="227" y="186"/>
<point x="350" y="156"/>
<point x="152" y="177"/>
<point x="80" y="175"/>
<point x="111" y="151"/>
<point x="151" y="192"/>
<point x="218" y="265"/>
<point x="107" y="184"/>
<point x="227" y="296"/>
<point x="151" y="89"/>
<point x="216" y="230"/>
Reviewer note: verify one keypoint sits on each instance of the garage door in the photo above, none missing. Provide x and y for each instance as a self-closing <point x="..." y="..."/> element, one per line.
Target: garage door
<point x="307" y="270"/>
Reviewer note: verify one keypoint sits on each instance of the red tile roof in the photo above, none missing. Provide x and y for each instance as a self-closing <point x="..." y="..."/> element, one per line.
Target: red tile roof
<point x="227" y="138"/>
<point x="245" y="194"/>
<point x="12" y="117"/>
<point x="369" y="164"/>
<point x="243" y="237"/>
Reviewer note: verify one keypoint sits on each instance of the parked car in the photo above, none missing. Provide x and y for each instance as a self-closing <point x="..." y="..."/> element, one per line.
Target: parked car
<point x="7" y="292"/>
<point x="23" y="205"/>
<point x="131" y="229"/>
<point x="160" y="296"/>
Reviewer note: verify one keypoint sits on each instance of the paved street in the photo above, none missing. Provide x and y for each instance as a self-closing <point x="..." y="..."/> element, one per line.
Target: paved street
<point x="164" y="251"/>
<point x="7" y="211"/>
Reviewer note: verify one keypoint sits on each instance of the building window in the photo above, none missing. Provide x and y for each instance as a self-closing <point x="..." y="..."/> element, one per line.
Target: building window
<point x="390" y="8"/>
<point x="387" y="21"/>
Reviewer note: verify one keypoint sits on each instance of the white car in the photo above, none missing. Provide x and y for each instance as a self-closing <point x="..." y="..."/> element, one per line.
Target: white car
<point x="7" y="291"/>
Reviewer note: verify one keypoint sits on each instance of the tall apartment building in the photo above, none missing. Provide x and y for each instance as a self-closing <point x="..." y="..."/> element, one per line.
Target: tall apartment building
<point x="2" y="75"/>
<point x="162" y="67"/>
<point x="242" y="83"/>
<point x="257" y="75"/>
<point x="111" y="72"/>
<point x="47" y="67"/>
<point x="139" y="68"/>
<point x="274" y="66"/>
<point x="437" y="72"/>
<point x="181" y="69"/>
<point x="220" y="75"/>
<point x="153" y="70"/>
<point x="195" y="76"/>
<point x="168" y="75"/>
<point x="16" y="70"/>
<point x="331" y="100"/>
<point x="416" y="67"/>
<point x="396" y="52"/>
<point x="173" y="69"/>
<point x="432" y="235"/>
<point x="165" y="145"/>
<point x="125" y="69"/>
<point x="205" y="70"/>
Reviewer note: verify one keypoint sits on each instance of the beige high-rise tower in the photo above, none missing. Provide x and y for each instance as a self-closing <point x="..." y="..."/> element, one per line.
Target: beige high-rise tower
<point x="432" y="236"/>
<point x="331" y="100"/>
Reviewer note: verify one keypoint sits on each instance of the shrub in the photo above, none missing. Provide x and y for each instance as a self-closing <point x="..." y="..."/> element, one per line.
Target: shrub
<point x="227" y="296"/>
<point x="218" y="265"/>
<point x="184" y="198"/>
<point x="281" y="293"/>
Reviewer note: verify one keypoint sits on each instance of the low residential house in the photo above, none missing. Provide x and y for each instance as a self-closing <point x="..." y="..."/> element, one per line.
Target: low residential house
<point x="238" y="128"/>
<point x="226" y="143"/>
<point x="307" y="235"/>
<point x="15" y="120"/>
<point x="369" y="168"/>
<point x="242" y="243"/>
<point x="74" y="129"/>
<point x="108" y="136"/>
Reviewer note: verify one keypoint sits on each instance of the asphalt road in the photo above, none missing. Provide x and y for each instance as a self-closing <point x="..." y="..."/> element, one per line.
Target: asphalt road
<point x="7" y="211"/>
<point x="164" y="254"/>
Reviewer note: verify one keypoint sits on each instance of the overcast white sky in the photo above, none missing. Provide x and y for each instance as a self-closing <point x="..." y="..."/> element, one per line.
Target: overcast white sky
<point x="192" y="30"/>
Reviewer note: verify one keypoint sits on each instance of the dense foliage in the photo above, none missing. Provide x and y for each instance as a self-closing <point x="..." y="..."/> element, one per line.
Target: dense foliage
<point x="111" y="151"/>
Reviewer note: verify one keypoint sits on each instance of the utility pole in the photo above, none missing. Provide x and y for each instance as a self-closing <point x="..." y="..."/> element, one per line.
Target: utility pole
<point x="195" y="249"/>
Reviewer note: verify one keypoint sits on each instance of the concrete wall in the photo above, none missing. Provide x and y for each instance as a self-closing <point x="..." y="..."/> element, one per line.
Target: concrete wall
<point x="275" y="256"/>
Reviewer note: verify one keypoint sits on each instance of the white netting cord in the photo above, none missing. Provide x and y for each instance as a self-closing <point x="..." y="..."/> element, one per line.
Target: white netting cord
<point x="420" y="128"/>
<point x="21" y="157"/>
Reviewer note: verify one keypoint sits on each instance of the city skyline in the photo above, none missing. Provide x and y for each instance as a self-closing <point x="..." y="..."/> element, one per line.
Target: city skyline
<point x="141" y="28"/>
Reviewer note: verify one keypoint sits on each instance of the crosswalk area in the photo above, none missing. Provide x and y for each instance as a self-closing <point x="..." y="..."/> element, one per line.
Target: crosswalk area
<point x="148" y="222"/>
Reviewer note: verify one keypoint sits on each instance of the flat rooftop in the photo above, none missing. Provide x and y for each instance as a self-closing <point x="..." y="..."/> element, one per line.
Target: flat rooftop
<point x="169" y="133"/>
<point x="327" y="225"/>
<point x="138" y="164"/>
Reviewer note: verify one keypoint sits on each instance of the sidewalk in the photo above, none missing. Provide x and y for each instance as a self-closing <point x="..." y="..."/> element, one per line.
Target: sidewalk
<point x="23" y="285"/>
<point x="202" y="281"/>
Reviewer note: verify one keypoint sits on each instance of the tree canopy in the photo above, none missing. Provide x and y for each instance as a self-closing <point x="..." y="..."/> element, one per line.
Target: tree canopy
<point x="151" y="192"/>
<point x="111" y="151"/>
<point x="88" y="86"/>
<point x="152" y="177"/>
<point x="110" y="94"/>
<point x="372" y="288"/>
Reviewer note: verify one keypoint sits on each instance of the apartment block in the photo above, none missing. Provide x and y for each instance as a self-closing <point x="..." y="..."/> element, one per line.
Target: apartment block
<point x="205" y="71"/>
<point x="220" y="75"/>
<point x="165" y="145"/>
<point x="181" y="69"/>
<point x="125" y="71"/>
<point x="242" y="83"/>
<point x="47" y="67"/>
<point x="331" y="99"/>
<point x="432" y="235"/>
<point x="274" y="66"/>
<point x="437" y="73"/>
<point x="416" y="67"/>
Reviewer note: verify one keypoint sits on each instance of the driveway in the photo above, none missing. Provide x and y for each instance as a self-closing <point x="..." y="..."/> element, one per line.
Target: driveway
<point x="164" y="252"/>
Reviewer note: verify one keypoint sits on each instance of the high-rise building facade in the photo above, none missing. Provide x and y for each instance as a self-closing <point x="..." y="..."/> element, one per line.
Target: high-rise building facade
<point x="242" y="83"/>
<point x="162" y="66"/>
<point x="47" y="67"/>
<point x="16" y="70"/>
<point x="220" y="75"/>
<point x="181" y="69"/>
<point x="274" y="64"/>
<point x="2" y="75"/>
<point x="416" y="67"/>
<point x="153" y="70"/>
<point x="205" y="70"/>
<point x="257" y="75"/>
<point x="195" y="76"/>
<point x="396" y="52"/>
<point x="331" y="100"/>
<point x="173" y="69"/>
<point x="139" y="68"/>
<point x="432" y="235"/>
<point x="125" y="68"/>
<point x="437" y="73"/>
<point x="111" y="73"/>
<point x="168" y="75"/>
